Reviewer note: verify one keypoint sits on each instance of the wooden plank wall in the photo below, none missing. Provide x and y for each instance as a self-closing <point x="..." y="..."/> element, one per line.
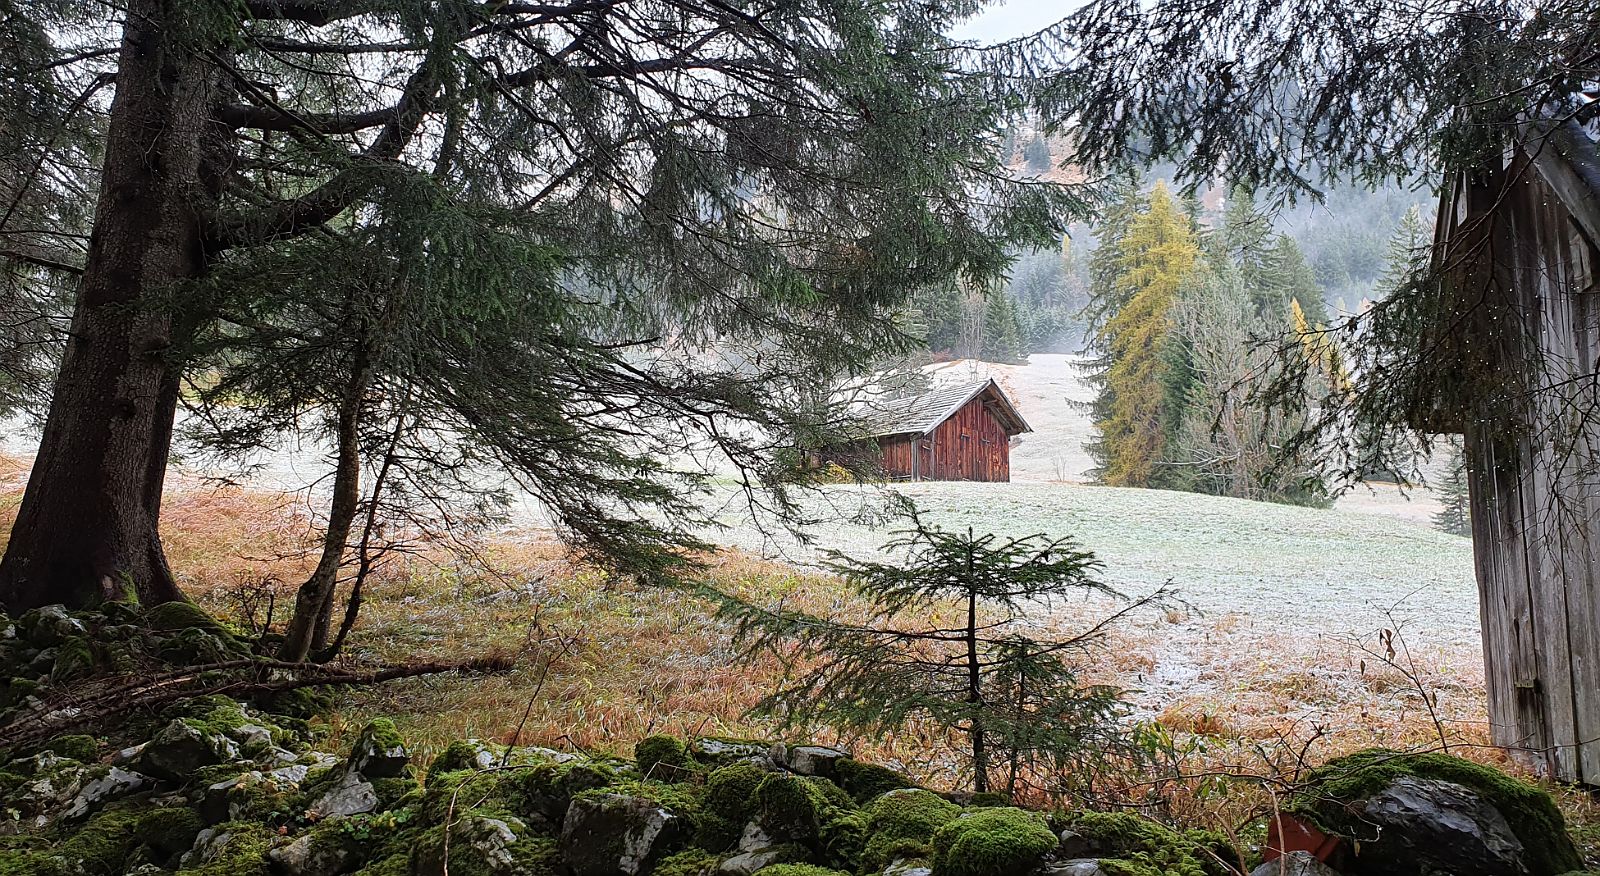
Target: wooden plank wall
<point x="971" y="445"/>
<point x="1536" y="496"/>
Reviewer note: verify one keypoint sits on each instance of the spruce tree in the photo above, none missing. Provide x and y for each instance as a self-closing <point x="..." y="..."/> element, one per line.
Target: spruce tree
<point x="1002" y="334"/>
<point x="584" y="189"/>
<point x="1154" y="259"/>
<point x="1014" y="701"/>
<point x="1285" y="277"/>
<point x="1455" y="513"/>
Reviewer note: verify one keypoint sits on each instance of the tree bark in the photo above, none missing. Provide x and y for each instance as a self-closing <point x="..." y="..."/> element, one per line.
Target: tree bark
<point x="87" y="529"/>
<point x="980" y="753"/>
<point x="313" y="602"/>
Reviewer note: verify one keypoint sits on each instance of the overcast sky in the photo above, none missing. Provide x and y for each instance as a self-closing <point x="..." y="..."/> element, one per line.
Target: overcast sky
<point x="1014" y="18"/>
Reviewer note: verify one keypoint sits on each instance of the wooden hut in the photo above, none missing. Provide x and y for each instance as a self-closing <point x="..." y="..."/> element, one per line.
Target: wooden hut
<point x="953" y="433"/>
<point x="1516" y="247"/>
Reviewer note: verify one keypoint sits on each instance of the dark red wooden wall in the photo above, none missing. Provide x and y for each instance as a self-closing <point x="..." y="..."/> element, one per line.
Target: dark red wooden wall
<point x="969" y="446"/>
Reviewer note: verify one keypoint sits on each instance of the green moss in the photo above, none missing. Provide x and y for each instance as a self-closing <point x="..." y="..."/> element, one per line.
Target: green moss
<point x="689" y="862"/>
<point x="395" y="792"/>
<point x="473" y="837"/>
<point x="1530" y="812"/>
<point x="548" y="788"/>
<point x="461" y="754"/>
<point x="74" y="659"/>
<point x="1132" y="845"/>
<point x="992" y="842"/>
<point x="244" y="853"/>
<point x="81" y="748"/>
<point x="798" y="870"/>
<point x="664" y="758"/>
<point x="170" y="831"/>
<point x="729" y="803"/>
<point x="864" y="781"/>
<point x="901" y="824"/>
<point x="101" y="845"/>
<point x="730" y="790"/>
<point x="16" y="691"/>
<point x="812" y="811"/>
<point x="172" y="616"/>
<point x="798" y="806"/>
<point x="398" y="864"/>
<point x="989" y="798"/>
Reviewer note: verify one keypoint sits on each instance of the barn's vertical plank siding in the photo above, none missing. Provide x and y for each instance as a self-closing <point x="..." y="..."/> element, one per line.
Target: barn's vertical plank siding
<point x="1535" y="497"/>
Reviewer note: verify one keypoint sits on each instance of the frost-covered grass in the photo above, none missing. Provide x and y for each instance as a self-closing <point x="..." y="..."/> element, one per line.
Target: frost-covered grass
<point x="1316" y="570"/>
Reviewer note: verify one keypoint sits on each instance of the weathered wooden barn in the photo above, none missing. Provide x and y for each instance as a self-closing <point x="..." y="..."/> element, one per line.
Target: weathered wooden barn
<point x="1516" y="246"/>
<point x="953" y="433"/>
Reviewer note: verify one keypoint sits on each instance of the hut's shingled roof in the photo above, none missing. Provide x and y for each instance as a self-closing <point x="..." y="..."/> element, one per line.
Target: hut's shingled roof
<point x="918" y="414"/>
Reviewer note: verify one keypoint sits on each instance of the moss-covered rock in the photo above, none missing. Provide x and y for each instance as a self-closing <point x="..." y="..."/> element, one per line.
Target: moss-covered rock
<point x="481" y="844"/>
<point x="798" y="870"/>
<point x="79" y="747"/>
<point x="864" y="781"/>
<point x="106" y="844"/>
<point x="689" y="862"/>
<point x="901" y="824"/>
<point x="236" y="848"/>
<point x="379" y="752"/>
<point x="731" y="790"/>
<point x="992" y="842"/>
<point x="74" y="659"/>
<point x="462" y="754"/>
<point x="605" y="833"/>
<point x="1132" y="845"/>
<point x="664" y="758"/>
<point x="1332" y="795"/>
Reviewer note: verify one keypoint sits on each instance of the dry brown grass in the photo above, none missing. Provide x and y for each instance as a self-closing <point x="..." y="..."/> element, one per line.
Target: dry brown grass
<point x="602" y="662"/>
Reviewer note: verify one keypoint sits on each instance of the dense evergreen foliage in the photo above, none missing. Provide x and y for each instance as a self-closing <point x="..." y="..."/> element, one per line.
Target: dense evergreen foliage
<point x="578" y="238"/>
<point x="1175" y="380"/>
<point x="944" y="646"/>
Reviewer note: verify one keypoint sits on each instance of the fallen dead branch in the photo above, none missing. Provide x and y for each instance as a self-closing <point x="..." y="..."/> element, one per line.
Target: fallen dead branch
<point x="99" y="699"/>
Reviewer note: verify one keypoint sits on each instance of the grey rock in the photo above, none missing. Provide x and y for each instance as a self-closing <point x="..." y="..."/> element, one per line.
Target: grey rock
<point x="352" y="795"/>
<point x="807" y="760"/>
<point x="50" y="625"/>
<point x="478" y="844"/>
<point x="252" y="736"/>
<point x="1295" y="864"/>
<point x="128" y="755"/>
<point x="1073" y="867"/>
<point x="377" y="755"/>
<point x="180" y="748"/>
<point x="755" y="850"/>
<point x="319" y="853"/>
<point x="116" y="782"/>
<point x="746" y="863"/>
<point x="294" y="773"/>
<point x="722" y="751"/>
<point x="754" y="837"/>
<point x="902" y="867"/>
<point x="613" y="834"/>
<point x="208" y="844"/>
<point x="1430" y="826"/>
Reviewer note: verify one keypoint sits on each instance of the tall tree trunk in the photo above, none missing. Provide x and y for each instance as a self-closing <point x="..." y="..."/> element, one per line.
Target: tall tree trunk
<point x="980" y="753"/>
<point x="87" y="527"/>
<point x="313" y="602"/>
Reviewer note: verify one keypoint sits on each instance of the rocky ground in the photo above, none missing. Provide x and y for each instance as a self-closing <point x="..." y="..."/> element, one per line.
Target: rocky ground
<point x="213" y="785"/>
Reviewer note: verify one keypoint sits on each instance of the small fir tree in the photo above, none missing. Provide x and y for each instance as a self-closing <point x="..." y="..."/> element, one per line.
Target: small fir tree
<point x="1455" y="517"/>
<point x="1014" y="700"/>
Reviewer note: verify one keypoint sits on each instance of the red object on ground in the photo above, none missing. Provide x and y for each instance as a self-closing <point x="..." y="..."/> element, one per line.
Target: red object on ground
<point x="1286" y="833"/>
